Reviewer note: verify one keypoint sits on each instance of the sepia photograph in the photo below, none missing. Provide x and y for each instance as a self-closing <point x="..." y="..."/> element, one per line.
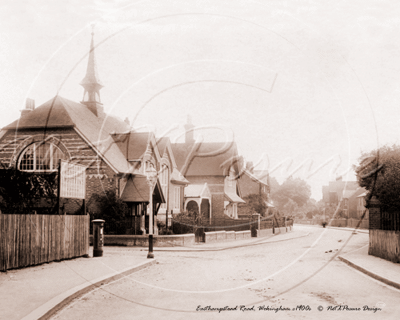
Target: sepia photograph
<point x="199" y="159"/>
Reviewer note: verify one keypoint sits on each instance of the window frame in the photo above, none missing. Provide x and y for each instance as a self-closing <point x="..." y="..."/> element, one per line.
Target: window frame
<point x="177" y="198"/>
<point x="49" y="153"/>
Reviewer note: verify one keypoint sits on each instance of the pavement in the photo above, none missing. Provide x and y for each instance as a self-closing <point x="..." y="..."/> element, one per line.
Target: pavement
<point x="377" y="268"/>
<point x="39" y="292"/>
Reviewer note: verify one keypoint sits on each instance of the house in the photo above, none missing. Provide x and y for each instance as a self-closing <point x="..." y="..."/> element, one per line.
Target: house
<point x="361" y="206"/>
<point x="345" y="194"/>
<point x="249" y="185"/>
<point x="116" y="158"/>
<point x="172" y="182"/>
<point x="215" y="164"/>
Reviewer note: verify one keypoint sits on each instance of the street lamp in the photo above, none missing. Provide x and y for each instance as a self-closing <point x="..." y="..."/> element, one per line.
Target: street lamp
<point x="151" y="174"/>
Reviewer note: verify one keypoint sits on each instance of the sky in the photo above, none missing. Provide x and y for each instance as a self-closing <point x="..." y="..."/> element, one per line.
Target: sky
<point x="303" y="87"/>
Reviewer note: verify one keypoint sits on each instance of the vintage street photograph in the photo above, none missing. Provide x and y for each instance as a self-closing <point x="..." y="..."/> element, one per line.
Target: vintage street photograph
<point x="199" y="159"/>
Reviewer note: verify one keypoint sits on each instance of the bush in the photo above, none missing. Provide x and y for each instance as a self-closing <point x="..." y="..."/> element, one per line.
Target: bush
<point x="111" y="209"/>
<point x="24" y="192"/>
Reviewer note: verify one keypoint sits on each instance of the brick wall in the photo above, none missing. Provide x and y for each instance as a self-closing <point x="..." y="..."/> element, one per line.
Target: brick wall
<point x="248" y="186"/>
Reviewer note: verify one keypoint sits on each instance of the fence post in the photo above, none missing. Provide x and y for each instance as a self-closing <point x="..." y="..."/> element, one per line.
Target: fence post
<point x="374" y="213"/>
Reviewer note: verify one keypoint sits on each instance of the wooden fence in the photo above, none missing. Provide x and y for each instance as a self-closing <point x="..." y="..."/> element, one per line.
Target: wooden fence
<point x="385" y="244"/>
<point x="27" y="240"/>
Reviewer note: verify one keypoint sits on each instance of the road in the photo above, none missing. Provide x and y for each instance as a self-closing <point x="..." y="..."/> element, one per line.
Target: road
<point x="283" y="280"/>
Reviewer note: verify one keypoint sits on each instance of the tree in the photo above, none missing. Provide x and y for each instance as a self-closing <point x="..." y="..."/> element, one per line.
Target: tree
<point x="379" y="173"/>
<point x="23" y="192"/>
<point x="255" y="203"/>
<point x="111" y="209"/>
<point x="294" y="189"/>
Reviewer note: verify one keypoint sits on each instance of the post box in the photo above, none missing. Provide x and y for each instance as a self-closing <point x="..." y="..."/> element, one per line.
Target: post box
<point x="98" y="237"/>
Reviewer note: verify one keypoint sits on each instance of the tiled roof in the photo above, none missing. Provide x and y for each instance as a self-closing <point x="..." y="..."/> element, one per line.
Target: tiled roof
<point x="177" y="177"/>
<point x="162" y="144"/>
<point x="208" y="159"/>
<point x="132" y="144"/>
<point x="348" y="193"/>
<point x="137" y="190"/>
<point x="233" y="197"/>
<point x="216" y="188"/>
<point x="51" y="114"/>
<point x="197" y="191"/>
<point x="254" y="178"/>
<point x="262" y="175"/>
<point x="61" y="112"/>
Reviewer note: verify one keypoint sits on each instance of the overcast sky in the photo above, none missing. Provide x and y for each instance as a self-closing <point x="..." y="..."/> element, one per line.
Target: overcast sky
<point x="295" y="82"/>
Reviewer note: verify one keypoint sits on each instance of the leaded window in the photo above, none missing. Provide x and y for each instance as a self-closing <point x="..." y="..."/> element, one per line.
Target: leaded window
<point x="40" y="156"/>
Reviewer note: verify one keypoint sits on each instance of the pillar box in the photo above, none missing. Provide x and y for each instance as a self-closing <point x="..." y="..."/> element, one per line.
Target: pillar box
<point x="98" y="237"/>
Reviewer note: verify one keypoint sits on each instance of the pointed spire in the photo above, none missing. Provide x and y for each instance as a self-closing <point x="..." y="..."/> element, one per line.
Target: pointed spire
<point x="91" y="83"/>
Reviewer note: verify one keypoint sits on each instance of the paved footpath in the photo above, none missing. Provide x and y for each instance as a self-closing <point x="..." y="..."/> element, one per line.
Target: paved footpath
<point x="377" y="268"/>
<point x="37" y="292"/>
<point x="30" y="293"/>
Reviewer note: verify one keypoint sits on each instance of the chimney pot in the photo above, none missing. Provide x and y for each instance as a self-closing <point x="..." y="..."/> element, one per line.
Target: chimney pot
<point x="29" y="106"/>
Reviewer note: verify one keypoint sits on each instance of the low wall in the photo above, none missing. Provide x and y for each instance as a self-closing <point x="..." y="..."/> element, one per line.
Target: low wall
<point x="349" y="223"/>
<point x="220" y="236"/>
<point x="385" y="244"/>
<point x="143" y="240"/>
<point x="230" y="235"/>
<point x="280" y="230"/>
<point x="264" y="232"/>
<point x="214" y="236"/>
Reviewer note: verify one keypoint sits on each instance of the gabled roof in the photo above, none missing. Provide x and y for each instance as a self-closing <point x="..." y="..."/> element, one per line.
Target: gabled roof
<point x="262" y="175"/>
<point x="197" y="191"/>
<point x="137" y="190"/>
<point x="233" y="197"/>
<point x="206" y="158"/>
<point x="177" y="177"/>
<point x="254" y="178"/>
<point x="164" y="146"/>
<point x="60" y="113"/>
<point x="363" y="194"/>
<point x="134" y="145"/>
<point x="51" y="114"/>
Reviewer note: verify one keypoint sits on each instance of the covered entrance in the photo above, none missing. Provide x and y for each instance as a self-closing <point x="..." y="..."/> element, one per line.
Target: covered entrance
<point x="198" y="206"/>
<point x="136" y="194"/>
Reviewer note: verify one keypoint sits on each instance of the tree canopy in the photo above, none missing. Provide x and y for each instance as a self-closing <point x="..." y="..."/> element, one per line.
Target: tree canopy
<point x="379" y="173"/>
<point x="23" y="192"/>
<point x="291" y="193"/>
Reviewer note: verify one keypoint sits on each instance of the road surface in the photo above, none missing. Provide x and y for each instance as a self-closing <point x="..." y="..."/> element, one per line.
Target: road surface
<point x="294" y="279"/>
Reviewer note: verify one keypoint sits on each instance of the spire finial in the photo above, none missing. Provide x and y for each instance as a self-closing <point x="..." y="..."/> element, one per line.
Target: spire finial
<point x="91" y="83"/>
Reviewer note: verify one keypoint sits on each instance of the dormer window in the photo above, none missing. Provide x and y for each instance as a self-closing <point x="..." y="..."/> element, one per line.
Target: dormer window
<point x="40" y="157"/>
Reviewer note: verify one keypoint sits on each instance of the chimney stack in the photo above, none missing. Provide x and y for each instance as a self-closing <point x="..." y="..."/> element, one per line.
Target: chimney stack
<point x="189" y="134"/>
<point x="29" y="106"/>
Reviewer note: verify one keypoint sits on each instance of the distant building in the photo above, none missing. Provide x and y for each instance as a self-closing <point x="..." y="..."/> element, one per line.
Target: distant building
<point x="345" y="194"/>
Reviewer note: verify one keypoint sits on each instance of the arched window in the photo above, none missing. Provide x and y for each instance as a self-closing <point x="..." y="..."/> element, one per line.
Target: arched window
<point x="40" y="156"/>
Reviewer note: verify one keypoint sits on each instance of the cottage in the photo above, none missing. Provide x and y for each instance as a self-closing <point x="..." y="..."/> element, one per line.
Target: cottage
<point x="214" y="163"/>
